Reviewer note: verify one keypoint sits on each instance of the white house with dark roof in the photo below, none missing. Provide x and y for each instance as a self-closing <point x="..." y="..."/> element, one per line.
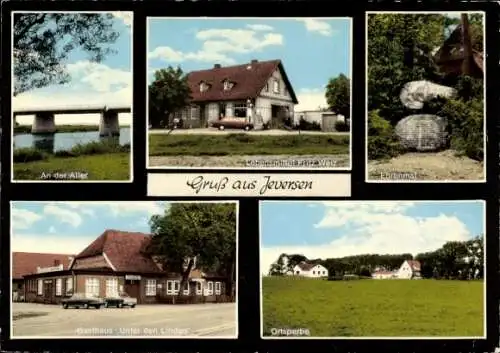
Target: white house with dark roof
<point x="410" y="269"/>
<point x="310" y="270"/>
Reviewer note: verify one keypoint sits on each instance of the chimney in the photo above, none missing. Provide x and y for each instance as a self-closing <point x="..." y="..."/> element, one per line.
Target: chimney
<point x="217" y="66"/>
<point x="254" y="61"/>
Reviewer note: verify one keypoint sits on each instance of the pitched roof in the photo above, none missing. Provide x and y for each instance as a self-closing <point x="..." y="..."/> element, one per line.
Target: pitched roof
<point x="304" y="266"/>
<point x="452" y="48"/>
<point x="414" y="264"/>
<point x="125" y="251"/>
<point x="26" y="263"/>
<point x="249" y="80"/>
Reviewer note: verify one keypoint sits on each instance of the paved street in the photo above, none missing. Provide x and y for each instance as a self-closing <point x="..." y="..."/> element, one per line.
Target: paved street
<point x="212" y="131"/>
<point x="144" y="320"/>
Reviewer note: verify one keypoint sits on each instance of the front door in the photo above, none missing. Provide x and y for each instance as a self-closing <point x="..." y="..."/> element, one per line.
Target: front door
<point x="48" y="291"/>
<point x="133" y="288"/>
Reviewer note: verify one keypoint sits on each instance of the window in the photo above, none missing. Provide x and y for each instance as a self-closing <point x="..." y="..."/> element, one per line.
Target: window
<point x="112" y="287"/>
<point x="40" y="287"/>
<point x="314" y="272"/>
<point x="276" y="86"/>
<point x="324" y="272"/>
<point x="92" y="287"/>
<point x="151" y="287"/>
<point x="199" y="288"/>
<point x="186" y="288"/>
<point x="266" y="88"/>
<point x="203" y="87"/>
<point x="217" y="288"/>
<point x="173" y="287"/>
<point x="69" y="285"/>
<point x="227" y="85"/>
<point x="209" y="290"/>
<point x="58" y="286"/>
<point x="285" y="91"/>
<point x="240" y="110"/>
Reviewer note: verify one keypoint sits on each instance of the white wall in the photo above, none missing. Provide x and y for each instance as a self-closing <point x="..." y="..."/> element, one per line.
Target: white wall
<point x="405" y="271"/>
<point x="316" y="272"/>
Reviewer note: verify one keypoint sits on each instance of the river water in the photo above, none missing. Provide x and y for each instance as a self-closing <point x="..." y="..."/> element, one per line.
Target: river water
<point x="65" y="140"/>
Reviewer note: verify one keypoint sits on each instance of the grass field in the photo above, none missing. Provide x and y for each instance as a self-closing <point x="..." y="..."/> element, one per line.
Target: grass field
<point x="245" y="144"/>
<point x="113" y="166"/>
<point x="374" y="308"/>
<point x="26" y="129"/>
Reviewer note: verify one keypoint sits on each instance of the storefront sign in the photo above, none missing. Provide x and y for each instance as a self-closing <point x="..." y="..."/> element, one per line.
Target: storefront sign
<point x="49" y="269"/>
<point x="133" y="277"/>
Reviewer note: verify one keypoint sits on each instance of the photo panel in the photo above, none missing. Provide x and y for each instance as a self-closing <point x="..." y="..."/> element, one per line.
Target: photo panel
<point x="71" y="96"/>
<point x="426" y="91"/>
<point x="88" y="269"/>
<point x="230" y="93"/>
<point x="362" y="269"/>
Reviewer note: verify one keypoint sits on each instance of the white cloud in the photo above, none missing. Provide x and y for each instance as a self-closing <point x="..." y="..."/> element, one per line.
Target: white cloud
<point x="90" y="83"/>
<point x="218" y="44"/>
<point x="318" y="26"/>
<point x="116" y="209"/>
<point x="23" y="219"/>
<point x="52" y="230"/>
<point x="126" y="17"/>
<point x="49" y="243"/>
<point x="260" y="27"/>
<point x="310" y="99"/>
<point x="63" y="215"/>
<point x="375" y="227"/>
<point x="124" y="208"/>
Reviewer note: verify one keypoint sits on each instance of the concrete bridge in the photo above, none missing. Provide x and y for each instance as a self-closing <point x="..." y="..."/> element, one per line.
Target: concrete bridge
<point x="44" y="122"/>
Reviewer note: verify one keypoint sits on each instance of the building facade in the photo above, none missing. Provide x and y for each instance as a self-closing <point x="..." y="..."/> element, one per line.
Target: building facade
<point x="116" y="262"/>
<point x="258" y="92"/>
<point x="310" y="270"/>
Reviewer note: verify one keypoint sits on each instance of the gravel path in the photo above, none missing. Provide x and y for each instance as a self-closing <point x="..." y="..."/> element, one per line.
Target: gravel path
<point x="245" y="161"/>
<point x="427" y="166"/>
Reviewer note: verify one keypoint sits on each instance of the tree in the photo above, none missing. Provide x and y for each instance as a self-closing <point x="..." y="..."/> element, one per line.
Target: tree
<point x="196" y="235"/>
<point x="338" y="95"/>
<point x="168" y="93"/>
<point x="43" y="41"/>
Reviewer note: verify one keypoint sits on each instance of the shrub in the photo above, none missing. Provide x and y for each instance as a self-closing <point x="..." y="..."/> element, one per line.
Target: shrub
<point x="382" y="142"/>
<point x="24" y="155"/>
<point x="466" y="124"/>
<point x="341" y="126"/>
<point x="98" y="147"/>
<point x="307" y="125"/>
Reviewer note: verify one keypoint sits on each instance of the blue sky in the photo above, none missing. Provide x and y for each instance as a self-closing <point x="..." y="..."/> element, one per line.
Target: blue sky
<point x="107" y="82"/>
<point x="68" y="227"/>
<point x="342" y="228"/>
<point x="312" y="50"/>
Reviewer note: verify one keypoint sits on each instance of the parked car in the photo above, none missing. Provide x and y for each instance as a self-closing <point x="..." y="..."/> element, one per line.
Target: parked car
<point x="81" y="300"/>
<point x="123" y="299"/>
<point x="233" y="123"/>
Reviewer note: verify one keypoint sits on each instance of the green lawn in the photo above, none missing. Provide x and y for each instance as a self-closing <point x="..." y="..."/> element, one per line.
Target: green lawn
<point x="110" y="166"/>
<point x="246" y="144"/>
<point x="374" y="308"/>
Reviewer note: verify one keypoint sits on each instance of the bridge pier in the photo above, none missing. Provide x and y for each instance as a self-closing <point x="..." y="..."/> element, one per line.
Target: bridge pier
<point x="109" y="124"/>
<point x="44" y="123"/>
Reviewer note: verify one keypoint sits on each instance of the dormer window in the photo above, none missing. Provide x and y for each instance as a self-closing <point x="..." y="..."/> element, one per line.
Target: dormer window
<point x="203" y="87"/>
<point x="227" y="85"/>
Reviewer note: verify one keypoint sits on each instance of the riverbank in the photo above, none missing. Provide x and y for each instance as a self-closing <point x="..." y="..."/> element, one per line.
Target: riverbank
<point x="92" y="161"/>
<point x="26" y="129"/>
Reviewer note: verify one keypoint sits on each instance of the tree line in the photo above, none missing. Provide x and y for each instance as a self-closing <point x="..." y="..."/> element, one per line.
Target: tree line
<point x="454" y="260"/>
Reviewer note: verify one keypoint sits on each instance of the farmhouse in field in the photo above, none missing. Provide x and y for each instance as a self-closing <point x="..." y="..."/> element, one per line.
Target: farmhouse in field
<point x="115" y="262"/>
<point x="410" y="269"/>
<point x="259" y="92"/>
<point x="310" y="270"/>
